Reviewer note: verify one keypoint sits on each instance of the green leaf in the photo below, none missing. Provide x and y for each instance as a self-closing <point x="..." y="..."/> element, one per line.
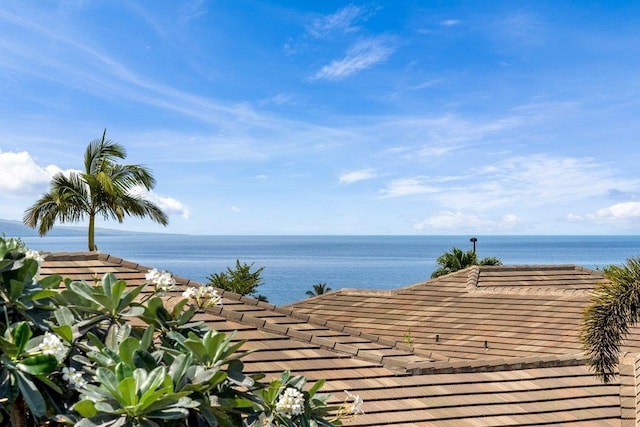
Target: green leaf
<point x="128" y="298"/>
<point x="117" y="289"/>
<point x="65" y="332"/>
<point x="136" y="311"/>
<point x="87" y="292"/>
<point x="21" y="334"/>
<point x="15" y="289"/>
<point x="317" y="386"/>
<point x="46" y="380"/>
<point x="152" y="380"/>
<point x="170" y="414"/>
<point x="108" y="380"/>
<point x="38" y="365"/>
<point x="31" y="394"/>
<point x="123" y="370"/>
<point x="45" y="293"/>
<point x="64" y="316"/>
<point x="147" y="338"/>
<point x="6" y="265"/>
<point x="8" y="347"/>
<point x="127" y="392"/>
<point x="107" y="282"/>
<point x="127" y="349"/>
<point x="86" y="408"/>
<point x="179" y="367"/>
<point x="83" y="327"/>
<point x="49" y="282"/>
<point x="145" y="360"/>
<point x="104" y="420"/>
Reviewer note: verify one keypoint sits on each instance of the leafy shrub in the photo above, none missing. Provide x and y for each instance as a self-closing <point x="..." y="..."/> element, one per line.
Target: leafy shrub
<point x="101" y="355"/>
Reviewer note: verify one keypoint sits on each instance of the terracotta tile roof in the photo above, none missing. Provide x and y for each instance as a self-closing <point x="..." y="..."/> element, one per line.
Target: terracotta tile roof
<point x="476" y="313"/>
<point x="382" y="345"/>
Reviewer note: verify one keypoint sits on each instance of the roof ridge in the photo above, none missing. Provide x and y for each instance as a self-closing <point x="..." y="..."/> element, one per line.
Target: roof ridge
<point x="525" y="267"/>
<point x="71" y="256"/>
<point x="497" y="364"/>
<point x="523" y="290"/>
<point x="472" y="277"/>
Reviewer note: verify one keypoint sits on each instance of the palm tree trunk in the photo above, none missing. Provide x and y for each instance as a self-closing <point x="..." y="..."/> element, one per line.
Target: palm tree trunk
<point x="92" y="238"/>
<point x="18" y="413"/>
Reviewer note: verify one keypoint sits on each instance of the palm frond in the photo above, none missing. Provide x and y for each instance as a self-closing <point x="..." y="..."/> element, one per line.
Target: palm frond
<point x="607" y="319"/>
<point x="100" y="153"/>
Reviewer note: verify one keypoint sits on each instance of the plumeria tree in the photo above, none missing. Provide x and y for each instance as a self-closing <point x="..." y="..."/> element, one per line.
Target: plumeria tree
<point x="101" y="354"/>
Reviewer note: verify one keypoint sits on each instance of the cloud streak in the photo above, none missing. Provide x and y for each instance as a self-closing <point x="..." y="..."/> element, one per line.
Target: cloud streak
<point x="359" y="57"/>
<point x="457" y="221"/>
<point x="359" y="175"/>
<point x="343" y="21"/>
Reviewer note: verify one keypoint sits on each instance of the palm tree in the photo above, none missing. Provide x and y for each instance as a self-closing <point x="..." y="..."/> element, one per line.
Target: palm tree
<point x="456" y="259"/>
<point x="318" y="289"/>
<point x="105" y="188"/>
<point x="614" y="308"/>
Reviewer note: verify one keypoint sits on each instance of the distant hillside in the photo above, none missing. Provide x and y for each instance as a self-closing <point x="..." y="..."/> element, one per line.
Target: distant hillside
<point x="17" y="229"/>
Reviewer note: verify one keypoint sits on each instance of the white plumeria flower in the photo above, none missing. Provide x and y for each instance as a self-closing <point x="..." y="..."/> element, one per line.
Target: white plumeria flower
<point x="291" y="402"/>
<point x="51" y="344"/>
<point x="356" y="406"/>
<point x="72" y="377"/>
<point x="191" y="292"/>
<point x="161" y="280"/>
<point x="204" y="295"/>
<point x="30" y="254"/>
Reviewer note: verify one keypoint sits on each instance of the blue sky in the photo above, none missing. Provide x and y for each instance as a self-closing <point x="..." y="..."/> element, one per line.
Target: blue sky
<point x="325" y="117"/>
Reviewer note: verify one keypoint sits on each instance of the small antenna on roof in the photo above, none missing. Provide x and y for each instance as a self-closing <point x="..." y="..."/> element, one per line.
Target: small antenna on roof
<point x="486" y="345"/>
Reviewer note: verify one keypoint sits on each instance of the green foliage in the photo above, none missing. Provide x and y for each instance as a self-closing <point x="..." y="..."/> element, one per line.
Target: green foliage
<point x="271" y="409"/>
<point x="318" y="289"/>
<point x="75" y="357"/>
<point x="456" y="259"/>
<point x="25" y="306"/>
<point x="104" y="188"/>
<point x="613" y="309"/>
<point x="242" y="280"/>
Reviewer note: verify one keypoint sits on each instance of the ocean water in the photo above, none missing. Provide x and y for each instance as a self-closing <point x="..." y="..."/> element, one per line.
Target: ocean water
<point x="293" y="264"/>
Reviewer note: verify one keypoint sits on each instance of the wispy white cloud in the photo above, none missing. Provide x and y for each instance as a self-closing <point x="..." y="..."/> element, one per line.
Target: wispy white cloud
<point x="518" y="184"/>
<point x="192" y="10"/>
<point x="359" y="175"/>
<point x="166" y="203"/>
<point x="279" y="99"/>
<point x="450" y="22"/>
<point x="89" y="69"/>
<point x="359" y="57"/>
<point x="409" y="187"/>
<point x="523" y="28"/>
<point x="537" y="179"/>
<point x="458" y="221"/>
<point x="619" y="211"/>
<point x="22" y="175"/>
<point x="343" y="21"/>
<point x="428" y="84"/>
<point x="436" y="135"/>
